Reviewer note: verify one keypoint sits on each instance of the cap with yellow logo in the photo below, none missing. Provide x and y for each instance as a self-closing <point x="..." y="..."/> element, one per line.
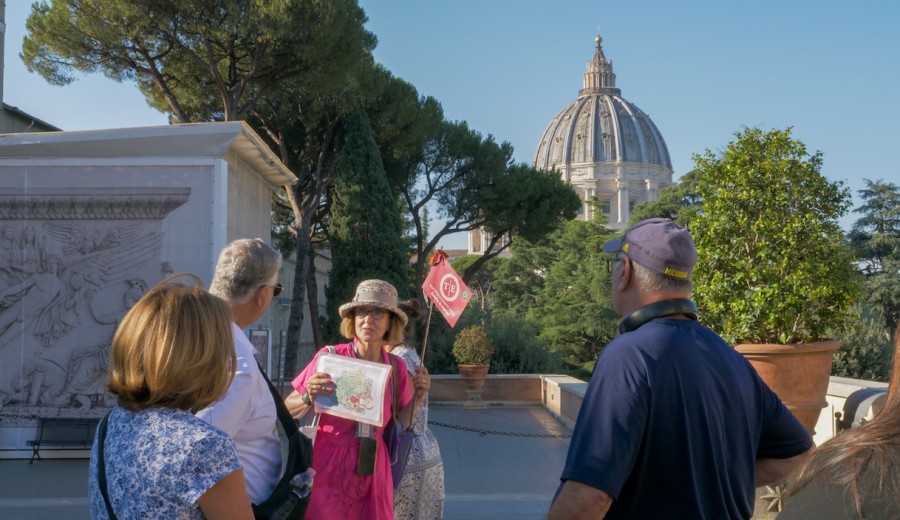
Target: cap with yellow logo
<point x="659" y="245"/>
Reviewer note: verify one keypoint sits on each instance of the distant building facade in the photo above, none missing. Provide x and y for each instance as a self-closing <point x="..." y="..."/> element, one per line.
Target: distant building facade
<point x="606" y="147"/>
<point x="13" y="120"/>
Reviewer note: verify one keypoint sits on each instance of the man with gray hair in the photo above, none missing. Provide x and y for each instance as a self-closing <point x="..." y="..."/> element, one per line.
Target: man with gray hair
<point x="247" y="278"/>
<point x="675" y="423"/>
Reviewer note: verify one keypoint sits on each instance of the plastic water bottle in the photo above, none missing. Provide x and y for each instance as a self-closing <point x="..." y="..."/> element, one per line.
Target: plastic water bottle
<point x="301" y="484"/>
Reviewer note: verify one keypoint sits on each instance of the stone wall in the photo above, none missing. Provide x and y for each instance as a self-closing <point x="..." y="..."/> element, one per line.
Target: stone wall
<point x="72" y="262"/>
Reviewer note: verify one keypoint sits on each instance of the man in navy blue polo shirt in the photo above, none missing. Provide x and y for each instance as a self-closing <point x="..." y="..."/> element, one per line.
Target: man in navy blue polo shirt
<point x="675" y="423"/>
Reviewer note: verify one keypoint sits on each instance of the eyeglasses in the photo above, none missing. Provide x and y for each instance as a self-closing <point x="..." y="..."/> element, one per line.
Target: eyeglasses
<point x="276" y="289"/>
<point x="375" y="312"/>
<point x="611" y="263"/>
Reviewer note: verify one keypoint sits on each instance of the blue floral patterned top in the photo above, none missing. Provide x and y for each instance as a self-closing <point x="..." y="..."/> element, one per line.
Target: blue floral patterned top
<point x="159" y="461"/>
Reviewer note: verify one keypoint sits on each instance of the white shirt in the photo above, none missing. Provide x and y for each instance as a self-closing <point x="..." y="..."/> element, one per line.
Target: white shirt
<point x="247" y="413"/>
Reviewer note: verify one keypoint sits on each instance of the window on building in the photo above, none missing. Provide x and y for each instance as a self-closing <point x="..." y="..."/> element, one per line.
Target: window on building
<point x="604" y="206"/>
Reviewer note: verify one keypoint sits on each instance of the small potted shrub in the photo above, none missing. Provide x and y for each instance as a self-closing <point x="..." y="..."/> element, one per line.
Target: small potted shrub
<point x="472" y="350"/>
<point x="774" y="274"/>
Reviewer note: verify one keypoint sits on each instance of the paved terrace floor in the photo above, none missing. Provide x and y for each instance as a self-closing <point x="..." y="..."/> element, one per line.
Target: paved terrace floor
<point x="487" y="476"/>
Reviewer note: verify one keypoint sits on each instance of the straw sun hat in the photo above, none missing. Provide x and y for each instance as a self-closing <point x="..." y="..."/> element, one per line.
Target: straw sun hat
<point x="374" y="293"/>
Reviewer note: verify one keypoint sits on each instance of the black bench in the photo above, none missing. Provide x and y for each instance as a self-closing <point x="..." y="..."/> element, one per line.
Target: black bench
<point x="64" y="432"/>
<point x="857" y="407"/>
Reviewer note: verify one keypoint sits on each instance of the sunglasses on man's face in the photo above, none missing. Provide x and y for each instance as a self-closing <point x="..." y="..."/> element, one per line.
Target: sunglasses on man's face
<point x="611" y="262"/>
<point x="276" y="289"/>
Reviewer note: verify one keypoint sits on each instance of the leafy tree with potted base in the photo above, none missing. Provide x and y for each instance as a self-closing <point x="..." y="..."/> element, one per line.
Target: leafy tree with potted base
<point x="774" y="274"/>
<point x="472" y="350"/>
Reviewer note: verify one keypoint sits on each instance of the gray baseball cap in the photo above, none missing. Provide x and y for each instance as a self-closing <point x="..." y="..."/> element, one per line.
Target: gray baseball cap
<point x="659" y="245"/>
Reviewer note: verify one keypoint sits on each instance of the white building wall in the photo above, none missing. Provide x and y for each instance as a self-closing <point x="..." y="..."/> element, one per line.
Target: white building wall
<point x="230" y="176"/>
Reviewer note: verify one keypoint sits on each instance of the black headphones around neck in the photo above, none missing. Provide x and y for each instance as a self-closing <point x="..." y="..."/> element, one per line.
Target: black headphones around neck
<point x="655" y="310"/>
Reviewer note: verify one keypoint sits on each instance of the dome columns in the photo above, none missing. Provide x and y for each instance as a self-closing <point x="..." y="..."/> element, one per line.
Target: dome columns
<point x="622" y="203"/>
<point x="652" y="187"/>
<point x="589" y="210"/>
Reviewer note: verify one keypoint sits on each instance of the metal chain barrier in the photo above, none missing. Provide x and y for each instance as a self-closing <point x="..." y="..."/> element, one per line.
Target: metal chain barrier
<point x="483" y="432"/>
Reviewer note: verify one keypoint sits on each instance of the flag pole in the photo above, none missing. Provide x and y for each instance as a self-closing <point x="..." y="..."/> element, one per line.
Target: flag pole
<point x="427" y="328"/>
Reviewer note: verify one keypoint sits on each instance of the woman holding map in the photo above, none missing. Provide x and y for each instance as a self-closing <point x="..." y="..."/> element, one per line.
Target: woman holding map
<point x="353" y="472"/>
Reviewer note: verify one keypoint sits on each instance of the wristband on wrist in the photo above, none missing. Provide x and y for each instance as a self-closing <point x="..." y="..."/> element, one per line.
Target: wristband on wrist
<point x="305" y="398"/>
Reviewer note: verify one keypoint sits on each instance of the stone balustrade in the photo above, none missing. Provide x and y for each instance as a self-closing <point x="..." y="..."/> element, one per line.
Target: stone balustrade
<point x="562" y="395"/>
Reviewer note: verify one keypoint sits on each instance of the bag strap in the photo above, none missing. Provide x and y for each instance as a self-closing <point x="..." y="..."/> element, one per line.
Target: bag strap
<point x="395" y="377"/>
<point x="284" y="416"/>
<point x="101" y="466"/>
<point x="394" y="400"/>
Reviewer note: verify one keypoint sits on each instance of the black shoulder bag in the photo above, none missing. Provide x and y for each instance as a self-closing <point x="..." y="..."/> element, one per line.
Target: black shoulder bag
<point x="283" y="504"/>
<point x="101" y="466"/>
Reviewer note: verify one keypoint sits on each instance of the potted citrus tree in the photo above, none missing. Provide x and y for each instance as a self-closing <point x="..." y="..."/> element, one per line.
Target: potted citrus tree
<point x="774" y="274"/>
<point x="472" y="350"/>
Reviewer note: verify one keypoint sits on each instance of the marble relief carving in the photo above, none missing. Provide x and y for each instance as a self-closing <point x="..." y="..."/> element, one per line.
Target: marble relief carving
<point x="71" y="264"/>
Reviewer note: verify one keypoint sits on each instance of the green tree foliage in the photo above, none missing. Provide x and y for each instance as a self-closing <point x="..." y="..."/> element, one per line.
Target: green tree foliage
<point x="876" y="240"/>
<point x="402" y="122"/>
<point x="773" y="267"/>
<point x="561" y="287"/>
<point x="679" y="202"/>
<point x="365" y="224"/>
<point x="518" y="280"/>
<point x="865" y="351"/>
<point x="304" y="127"/>
<point x="470" y="181"/>
<point x="517" y="347"/>
<point x="472" y="346"/>
<point x="481" y="283"/>
<point x="525" y="203"/>
<point x="574" y="308"/>
<point x="198" y="60"/>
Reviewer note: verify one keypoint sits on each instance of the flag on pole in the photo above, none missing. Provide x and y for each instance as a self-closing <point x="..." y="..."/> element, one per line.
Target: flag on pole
<point x="446" y="289"/>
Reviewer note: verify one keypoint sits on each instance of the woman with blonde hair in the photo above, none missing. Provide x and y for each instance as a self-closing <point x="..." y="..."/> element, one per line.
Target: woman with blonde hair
<point x="857" y="473"/>
<point x="171" y="355"/>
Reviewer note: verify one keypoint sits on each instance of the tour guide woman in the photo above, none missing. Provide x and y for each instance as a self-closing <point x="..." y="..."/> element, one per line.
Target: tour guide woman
<point x="372" y="320"/>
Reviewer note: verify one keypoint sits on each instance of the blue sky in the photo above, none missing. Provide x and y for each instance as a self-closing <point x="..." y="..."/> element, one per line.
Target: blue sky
<point x="702" y="70"/>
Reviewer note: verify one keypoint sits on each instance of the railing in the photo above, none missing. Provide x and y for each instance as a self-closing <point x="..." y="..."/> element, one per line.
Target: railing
<point x="839" y="389"/>
<point x="562" y="395"/>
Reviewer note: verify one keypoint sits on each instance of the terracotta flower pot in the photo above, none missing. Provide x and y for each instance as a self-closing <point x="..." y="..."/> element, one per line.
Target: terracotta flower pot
<point x="797" y="373"/>
<point x="473" y="376"/>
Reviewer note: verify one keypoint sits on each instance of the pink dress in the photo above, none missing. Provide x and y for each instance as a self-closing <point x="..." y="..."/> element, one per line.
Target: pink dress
<point x="339" y="493"/>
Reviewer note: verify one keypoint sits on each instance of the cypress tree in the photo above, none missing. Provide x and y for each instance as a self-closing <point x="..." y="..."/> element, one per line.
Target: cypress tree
<point x="365" y="227"/>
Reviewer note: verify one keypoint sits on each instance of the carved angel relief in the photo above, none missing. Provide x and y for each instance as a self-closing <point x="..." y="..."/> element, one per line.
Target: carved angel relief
<point x="59" y="293"/>
<point x="56" y="279"/>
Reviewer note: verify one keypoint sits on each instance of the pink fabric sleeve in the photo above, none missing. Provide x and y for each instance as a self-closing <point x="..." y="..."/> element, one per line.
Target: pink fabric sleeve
<point x="299" y="382"/>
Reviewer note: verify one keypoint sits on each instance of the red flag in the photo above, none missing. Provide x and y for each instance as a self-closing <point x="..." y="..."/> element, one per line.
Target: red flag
<point x="446" y="289"/>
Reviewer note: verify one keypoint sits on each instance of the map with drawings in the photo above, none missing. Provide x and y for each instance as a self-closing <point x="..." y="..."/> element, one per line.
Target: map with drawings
<point x="360" y="387"/>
